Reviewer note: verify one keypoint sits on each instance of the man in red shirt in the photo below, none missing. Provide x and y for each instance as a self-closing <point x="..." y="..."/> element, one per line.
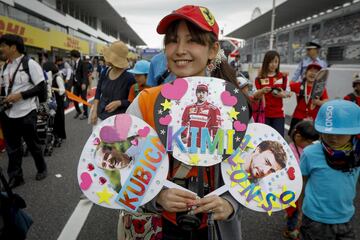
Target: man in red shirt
<point x="355" y="95"/>
<point x="201" y="114"/>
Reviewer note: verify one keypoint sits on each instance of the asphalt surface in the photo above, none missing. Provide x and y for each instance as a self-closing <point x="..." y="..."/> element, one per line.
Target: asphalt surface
<point x="52" y="201"/>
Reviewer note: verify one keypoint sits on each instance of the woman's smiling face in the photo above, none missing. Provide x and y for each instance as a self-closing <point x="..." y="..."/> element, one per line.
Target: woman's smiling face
<point x="185" y="56"/>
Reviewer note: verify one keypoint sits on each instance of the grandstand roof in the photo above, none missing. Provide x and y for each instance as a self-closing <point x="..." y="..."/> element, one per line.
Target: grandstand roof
<point x="286" y="13"/>
<point x="106" y="13"/>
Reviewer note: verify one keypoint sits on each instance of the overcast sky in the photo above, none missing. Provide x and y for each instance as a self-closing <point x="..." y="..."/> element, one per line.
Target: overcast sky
<point x="144" y="15"/>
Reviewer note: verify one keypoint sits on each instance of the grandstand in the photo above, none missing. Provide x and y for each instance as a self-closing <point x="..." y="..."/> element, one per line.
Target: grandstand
<point x="57" y="26"/>
<point x="334" y="24"/>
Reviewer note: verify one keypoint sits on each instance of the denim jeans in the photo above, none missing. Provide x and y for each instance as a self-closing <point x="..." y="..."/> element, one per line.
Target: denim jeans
<point x="312" y="230"/>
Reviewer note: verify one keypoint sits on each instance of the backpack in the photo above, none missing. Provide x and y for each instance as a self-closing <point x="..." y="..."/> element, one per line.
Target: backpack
<point x="14" y="221"/>
<point x="43" y="94"/>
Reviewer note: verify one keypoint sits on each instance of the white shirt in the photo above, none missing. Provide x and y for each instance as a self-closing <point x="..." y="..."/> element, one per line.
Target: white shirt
<point x="21" y="84"/>
<point x="60" y="83"/>
<point x="66" y="71"/>
<point x="75" y="68"/>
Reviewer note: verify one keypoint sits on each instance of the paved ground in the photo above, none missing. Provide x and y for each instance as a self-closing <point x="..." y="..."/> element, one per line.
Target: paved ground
<point x="52" y="201"/>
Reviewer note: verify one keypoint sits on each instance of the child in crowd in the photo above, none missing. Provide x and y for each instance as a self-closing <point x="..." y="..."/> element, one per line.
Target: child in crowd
<point x="355" y="95"/>
<point x="306" y="107"/>
<point x="192" y="49"/>
<point x="272" y="84"/>
<point x="303" y="135"/>
<point x="140" y="71"/>
<point x="331" y="169"/>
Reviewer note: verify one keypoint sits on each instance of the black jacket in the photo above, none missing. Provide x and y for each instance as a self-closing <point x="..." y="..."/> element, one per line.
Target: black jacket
<point x="81" y="73"/>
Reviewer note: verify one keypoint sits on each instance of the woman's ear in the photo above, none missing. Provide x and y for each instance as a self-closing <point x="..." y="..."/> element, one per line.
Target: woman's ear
<point x="214" y="49"/>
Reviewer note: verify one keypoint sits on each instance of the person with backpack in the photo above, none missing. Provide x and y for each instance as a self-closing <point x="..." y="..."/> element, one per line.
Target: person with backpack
<point x="331" y="170"/>
<point x="355" y="95"/>
<point x="140" y="71"/>
<point x="58" y="92"/>
<point x="113" y="88"/>
<point x="21" y="82"/>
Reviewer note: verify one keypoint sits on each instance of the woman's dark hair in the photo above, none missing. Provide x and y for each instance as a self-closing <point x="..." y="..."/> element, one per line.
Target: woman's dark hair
<point x="12" y="39"/>
<point x="277" y="150"/>
<point x="269" y="56"/>
<point x="58" y="59"/>
<point x="306" y="130"/>
<point x="50" y="66"/>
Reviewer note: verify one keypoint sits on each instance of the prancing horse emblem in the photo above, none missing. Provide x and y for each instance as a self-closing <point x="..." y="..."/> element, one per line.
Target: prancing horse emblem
<point x="208" y="16"/>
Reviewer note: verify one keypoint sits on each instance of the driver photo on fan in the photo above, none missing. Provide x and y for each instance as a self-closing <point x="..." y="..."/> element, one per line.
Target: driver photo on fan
<point x="111" y="156"/>
<point x="267" y="158"/>
<point x="201" y="114"/>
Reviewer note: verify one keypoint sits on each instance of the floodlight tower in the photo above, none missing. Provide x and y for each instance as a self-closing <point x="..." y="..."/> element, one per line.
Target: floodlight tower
<point x="272" y="26"/>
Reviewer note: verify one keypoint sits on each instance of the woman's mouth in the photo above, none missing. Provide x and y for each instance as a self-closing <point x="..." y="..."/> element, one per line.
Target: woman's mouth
<point x="182" y="62"/>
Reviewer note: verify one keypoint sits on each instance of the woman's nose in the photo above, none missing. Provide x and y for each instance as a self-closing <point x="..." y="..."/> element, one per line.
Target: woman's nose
<point x="181" y="47"/>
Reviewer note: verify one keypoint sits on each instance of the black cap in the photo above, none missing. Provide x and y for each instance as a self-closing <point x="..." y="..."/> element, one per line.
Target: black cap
<point x="310" y="45"/>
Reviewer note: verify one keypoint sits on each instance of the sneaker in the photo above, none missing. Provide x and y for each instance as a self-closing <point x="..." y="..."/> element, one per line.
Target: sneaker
<point x="83" y="117"/>
<point x="294" y="235"/>
<point x="41" y="175"/>
<point x="16" y="181"/>
<point x="77" y="114"/>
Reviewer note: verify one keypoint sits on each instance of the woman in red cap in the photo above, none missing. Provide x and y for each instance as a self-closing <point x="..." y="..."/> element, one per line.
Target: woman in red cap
<point x="306" y="108"/>
<point x="192" y="49"/>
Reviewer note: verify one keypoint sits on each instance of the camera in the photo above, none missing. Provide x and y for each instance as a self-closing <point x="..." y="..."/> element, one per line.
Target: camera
<point x="275" y="90"/>
<point x="4" y="105"/>
<point x="188" y="221"/>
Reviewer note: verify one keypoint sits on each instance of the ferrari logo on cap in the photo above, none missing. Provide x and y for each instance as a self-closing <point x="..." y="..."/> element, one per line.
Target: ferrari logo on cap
<point x="208" y="16"/>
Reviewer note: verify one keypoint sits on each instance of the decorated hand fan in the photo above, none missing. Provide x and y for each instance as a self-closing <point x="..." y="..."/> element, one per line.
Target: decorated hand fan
<point x="319" y="83"/>
<point x="201" y="120"/>
<point x="123" y="164"/>
<point x="263" y="174"/>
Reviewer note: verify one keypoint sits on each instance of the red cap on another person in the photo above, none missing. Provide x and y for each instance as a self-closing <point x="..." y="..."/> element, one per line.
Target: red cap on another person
<point x="202" y="87"/>
<point x="200" y="16"/>
<point x="313" y="65"/>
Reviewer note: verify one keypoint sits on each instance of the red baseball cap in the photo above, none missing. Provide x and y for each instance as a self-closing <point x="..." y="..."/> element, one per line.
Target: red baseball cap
<point x="200" y="16"/>
<point x="313" y="65"/>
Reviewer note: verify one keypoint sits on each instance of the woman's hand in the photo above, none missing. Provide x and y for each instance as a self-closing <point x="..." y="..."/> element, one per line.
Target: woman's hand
<point x="93" y="117"/>
<point x="176" y="200"/>
<point x="83" y="86"/>
<point x="113" y="106"/>
<point x="265" y="90"/>
<point x="317" y="101"/>
<point x="220" y="207"/>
